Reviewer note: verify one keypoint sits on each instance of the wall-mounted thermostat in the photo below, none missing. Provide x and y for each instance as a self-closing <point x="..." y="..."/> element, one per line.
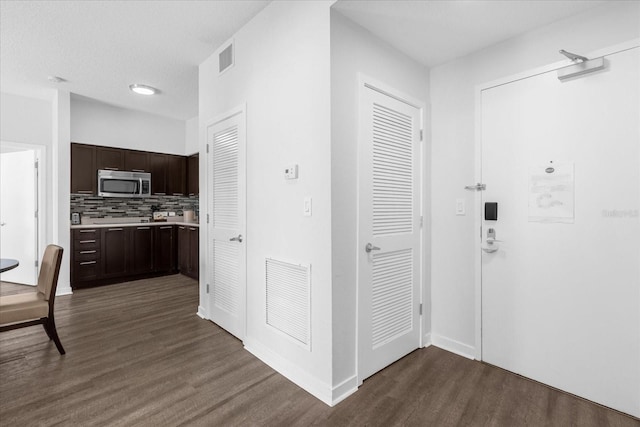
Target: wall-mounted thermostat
<point x="291" y="172"/>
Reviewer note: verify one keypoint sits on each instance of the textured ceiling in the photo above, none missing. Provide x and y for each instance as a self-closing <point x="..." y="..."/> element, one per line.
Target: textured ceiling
<point x="101" y="47"/>
<point x="434" y="32"/>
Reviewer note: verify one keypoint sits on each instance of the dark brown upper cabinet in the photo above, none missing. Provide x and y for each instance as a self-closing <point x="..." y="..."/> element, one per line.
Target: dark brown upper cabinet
<point x="136" y="161"/>
<point x="110" y="158"/>
<point x="176" y="175"/>
<point x="83" y="169"/>
<point x="193" y="175"/>
<point x="158" y="169"/>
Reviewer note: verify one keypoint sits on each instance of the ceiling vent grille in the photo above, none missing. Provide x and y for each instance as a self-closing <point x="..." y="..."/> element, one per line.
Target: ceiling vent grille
<point x="225" y="58"/>
<point x="288" y="300"/>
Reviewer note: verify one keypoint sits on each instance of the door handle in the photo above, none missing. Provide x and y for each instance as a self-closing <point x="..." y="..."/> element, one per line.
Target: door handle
<point x="236" y="239"/>
<point x="370" y="248"/>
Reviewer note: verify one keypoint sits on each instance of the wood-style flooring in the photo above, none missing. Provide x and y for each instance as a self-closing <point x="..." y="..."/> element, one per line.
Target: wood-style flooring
<point x="137" y="355"/>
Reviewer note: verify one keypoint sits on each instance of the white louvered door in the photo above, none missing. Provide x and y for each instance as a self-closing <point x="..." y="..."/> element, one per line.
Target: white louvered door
<point x="226" y="246"/>
<point x="389" y="223"/>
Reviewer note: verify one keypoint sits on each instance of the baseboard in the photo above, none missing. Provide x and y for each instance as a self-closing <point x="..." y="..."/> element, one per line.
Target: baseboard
<point x="426" y="340"/>
<point x="201" y="313"/>
<point x="64" y="290"/>
<point x="343" y="390"/>
<point x="454" y="346"/>
<point x="294" y="374"/>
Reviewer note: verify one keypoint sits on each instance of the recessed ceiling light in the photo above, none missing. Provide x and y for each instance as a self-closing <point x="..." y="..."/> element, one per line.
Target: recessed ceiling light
<point x="143" y="89"/>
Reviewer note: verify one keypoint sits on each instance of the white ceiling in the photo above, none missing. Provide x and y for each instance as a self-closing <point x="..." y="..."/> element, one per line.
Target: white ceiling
<point x="101" y="47"/>
<point x="434" y="32"/>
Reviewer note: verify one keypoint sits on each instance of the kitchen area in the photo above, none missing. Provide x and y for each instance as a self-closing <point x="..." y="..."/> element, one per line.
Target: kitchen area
<point x="134" y="215"/>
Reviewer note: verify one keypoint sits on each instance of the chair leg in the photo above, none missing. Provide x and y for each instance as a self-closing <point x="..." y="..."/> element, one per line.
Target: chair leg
<point x="54" y="334"/>
<point x="45" y="326"/>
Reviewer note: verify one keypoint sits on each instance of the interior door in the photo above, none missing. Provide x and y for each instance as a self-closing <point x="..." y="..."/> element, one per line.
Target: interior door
<point x="388" y="231"/>
<point x="226" y="141"/>
<point x="561" y="291"/>
<point x="18" y="213"/>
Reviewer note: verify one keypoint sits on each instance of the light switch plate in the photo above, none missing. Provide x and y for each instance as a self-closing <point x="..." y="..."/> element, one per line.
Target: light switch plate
<point x="460" y="208"/>
<point x="307" y="206"/>
<point x="291" y="172"/>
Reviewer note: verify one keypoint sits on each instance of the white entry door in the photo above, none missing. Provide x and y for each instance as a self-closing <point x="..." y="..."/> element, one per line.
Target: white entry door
<point x="388" y="231"/>
<point x="226" y="145"/>
<point x="561" y="291"/>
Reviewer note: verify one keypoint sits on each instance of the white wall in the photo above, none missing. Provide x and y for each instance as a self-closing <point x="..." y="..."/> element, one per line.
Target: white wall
<point x="191" y="142"/>
<point x="355" y="50"/>
<point x="97" y="123"/>
<point x="61" y="174"/>
<point x="453" y="135"/>
<point x="282" y="73"/>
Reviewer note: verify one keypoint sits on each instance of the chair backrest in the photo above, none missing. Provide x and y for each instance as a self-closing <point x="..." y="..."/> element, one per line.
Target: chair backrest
<point x="49" y="270"/>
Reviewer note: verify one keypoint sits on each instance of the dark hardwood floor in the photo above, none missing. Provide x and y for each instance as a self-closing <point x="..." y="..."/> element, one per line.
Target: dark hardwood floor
<point x="137" y="355"/>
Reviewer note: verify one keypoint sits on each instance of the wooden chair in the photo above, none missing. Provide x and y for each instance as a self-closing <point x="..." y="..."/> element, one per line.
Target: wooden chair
<point x="36" y="308"/>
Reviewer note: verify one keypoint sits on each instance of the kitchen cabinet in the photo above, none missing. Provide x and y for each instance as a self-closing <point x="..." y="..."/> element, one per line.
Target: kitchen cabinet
<point x="189" y="251"/>
<point x="164" y="250"/>
<point x="194" y="252"/>
<point x="158" y="169"/>
<point x="83" y="169"/>
<point x="171" y="175"/>
<point x="176" y="175"/>
<point x="136" y="161"/>
<point x="110" y="158"/>
<point x="193" y="175"/>
<point x="104" y="255"/>
<point x="115" y="251"/>
<point x="86" y="263"/>
<point x="142" y="244"/>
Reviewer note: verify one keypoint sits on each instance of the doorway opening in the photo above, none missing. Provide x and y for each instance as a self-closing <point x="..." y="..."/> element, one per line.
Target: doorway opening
<point x="21" y="218"/>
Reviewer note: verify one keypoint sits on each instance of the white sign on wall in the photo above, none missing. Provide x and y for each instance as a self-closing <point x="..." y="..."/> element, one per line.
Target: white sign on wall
<point x="551" y="192"/>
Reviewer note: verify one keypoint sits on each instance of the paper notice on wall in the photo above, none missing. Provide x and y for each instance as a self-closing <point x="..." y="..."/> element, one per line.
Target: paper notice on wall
<point x="551" y="192"/>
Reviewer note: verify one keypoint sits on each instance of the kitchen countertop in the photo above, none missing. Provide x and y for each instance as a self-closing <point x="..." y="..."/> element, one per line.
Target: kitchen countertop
<point x="133" y="224"/>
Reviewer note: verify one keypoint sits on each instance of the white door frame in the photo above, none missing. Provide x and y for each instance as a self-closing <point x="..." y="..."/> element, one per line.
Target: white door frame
<point x="368" y="83"/>
<point x="478" y="164"/>
<point x="41" y="157"/>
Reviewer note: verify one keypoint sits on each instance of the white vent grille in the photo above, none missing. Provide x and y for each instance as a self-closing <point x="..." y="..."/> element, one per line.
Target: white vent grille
<point x="225" y="179"/>
<point x="226" y="275"/>
<point x="392" y="295"/>
<point x="392" y="172"/>
<point x="225" y="59"/>
<point x="288" y="299"/>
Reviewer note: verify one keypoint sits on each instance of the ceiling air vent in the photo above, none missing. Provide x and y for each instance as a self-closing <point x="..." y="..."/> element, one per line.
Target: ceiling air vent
<point x="225" y="58"/>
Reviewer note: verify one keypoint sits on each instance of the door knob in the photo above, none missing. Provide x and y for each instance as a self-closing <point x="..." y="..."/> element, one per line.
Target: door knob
<point x="236" y="239"/>
<point x="370" y="248"/>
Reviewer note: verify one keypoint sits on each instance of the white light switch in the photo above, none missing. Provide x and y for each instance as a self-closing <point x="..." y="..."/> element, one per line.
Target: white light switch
<point x="460" y="209"/>
<point x="307" y="206"/>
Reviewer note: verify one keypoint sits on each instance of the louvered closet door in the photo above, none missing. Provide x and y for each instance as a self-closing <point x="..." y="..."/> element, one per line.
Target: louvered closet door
<point x="389" y="222"/>
<point x="226" y="246"/>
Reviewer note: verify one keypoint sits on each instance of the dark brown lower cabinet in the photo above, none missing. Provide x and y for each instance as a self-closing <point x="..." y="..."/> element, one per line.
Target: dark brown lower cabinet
<point x="164" y="251"/>
<point x="141" y="250"/>
<point x="115" y="251"/>
<point x="102" y="256"/>
<point x="188" y="251"/>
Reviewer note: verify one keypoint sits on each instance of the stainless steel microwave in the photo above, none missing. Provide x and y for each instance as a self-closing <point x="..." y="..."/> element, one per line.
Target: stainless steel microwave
<point x="123" y="184"/>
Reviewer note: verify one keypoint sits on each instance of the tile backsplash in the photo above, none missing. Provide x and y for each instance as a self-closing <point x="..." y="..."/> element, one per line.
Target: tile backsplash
<point x="120" y="207"/>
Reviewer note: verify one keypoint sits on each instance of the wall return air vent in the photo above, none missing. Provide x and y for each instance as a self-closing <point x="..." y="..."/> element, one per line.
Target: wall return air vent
<point x="225" y="58"/>
<point x="288" y="300"/>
